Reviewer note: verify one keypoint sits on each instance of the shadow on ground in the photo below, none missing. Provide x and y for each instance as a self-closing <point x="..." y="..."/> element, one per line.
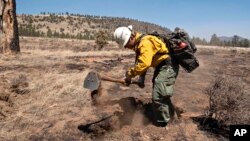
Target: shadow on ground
<point x="212" y="126"/>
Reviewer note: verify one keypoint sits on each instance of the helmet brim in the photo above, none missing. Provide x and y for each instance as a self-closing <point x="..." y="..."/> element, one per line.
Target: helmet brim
<point x="126" y="41"/>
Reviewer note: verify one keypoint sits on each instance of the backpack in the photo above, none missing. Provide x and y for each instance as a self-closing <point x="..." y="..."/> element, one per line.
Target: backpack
<point x="182" y="49"/>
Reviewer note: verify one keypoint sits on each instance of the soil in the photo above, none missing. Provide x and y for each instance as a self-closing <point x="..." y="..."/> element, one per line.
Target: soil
<point x="42" y="95"/>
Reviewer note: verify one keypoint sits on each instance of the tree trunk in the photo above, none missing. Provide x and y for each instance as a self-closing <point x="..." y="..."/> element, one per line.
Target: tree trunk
<point x="9" y="38"/>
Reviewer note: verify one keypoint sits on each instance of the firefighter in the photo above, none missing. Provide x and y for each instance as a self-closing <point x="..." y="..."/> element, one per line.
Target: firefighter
<point x="151" y="52"/>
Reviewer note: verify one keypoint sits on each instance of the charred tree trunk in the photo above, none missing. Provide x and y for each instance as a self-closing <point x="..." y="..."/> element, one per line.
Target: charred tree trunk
<point x="9" y="38"/>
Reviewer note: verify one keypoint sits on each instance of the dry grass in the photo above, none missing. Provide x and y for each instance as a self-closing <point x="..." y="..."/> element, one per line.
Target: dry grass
<point x="44" y="90"/>
<point x="51" y="88"/>
<point x="224" y="48"/>
<point x="49" y="98"/>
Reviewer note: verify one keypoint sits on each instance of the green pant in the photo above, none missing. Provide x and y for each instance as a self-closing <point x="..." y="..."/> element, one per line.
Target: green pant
<point x="163" y="85"/>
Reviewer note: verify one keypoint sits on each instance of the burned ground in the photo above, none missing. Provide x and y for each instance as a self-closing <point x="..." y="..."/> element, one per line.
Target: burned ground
<point x="42" y="98"/>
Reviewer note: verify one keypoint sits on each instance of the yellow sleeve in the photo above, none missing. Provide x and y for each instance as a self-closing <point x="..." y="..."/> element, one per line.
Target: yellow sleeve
<point x="144" y="60"/>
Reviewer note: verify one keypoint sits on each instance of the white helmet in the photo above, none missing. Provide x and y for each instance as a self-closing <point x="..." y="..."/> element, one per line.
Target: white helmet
<point x="122" y="35"/>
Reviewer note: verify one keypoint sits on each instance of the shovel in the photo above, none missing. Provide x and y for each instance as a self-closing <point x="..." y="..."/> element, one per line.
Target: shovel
<point x="93" y="80"/>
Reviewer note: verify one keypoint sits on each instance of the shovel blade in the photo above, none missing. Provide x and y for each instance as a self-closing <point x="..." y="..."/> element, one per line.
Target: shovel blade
<point x="92" y="81"/>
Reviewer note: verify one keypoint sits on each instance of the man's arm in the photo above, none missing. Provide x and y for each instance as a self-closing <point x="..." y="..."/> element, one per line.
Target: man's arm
<point x="144" y="58"/>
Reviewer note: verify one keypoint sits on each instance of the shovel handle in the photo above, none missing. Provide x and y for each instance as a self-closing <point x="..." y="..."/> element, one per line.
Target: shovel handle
<point x="107" y="78"/>
<point x="110" y="79"/>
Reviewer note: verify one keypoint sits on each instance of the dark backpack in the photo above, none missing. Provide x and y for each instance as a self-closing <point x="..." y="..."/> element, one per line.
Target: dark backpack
<point x="181" y="48"/>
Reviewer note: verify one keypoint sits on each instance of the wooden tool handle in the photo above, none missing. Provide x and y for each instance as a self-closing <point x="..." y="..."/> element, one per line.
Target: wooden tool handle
<point x="107" y="78"/>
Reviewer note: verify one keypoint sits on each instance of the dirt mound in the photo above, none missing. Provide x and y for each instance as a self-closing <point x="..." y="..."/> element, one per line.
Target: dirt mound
<point x="118" y="113"/>
<point x="115" y="113"/>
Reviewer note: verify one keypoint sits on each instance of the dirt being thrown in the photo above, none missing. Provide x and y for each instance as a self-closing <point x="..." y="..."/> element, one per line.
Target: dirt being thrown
<point x="125" y="115"/>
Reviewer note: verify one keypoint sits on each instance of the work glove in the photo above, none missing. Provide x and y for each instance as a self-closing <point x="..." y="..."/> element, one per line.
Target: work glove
<point x="127" y="79"/>
<point x="141" y="81"/>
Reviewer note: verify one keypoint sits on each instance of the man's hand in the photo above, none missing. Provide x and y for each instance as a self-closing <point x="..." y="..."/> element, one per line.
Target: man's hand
<point x="127" y="79"/>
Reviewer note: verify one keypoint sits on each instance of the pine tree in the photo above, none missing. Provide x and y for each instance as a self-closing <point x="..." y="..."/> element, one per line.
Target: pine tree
<point x="101" y="39"/>
<point x="245" y="43"/>
<point x="215" y="41"/>
<point x="235" y="41"/>
<point x="49" y="33"/>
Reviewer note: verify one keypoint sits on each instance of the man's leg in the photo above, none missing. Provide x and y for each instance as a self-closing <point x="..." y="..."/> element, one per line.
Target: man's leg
<point x="162" y="105"/>
<point x="164" y="80"/>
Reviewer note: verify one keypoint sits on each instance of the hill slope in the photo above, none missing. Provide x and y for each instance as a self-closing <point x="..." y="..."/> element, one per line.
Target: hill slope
<point x="78" y="26"/>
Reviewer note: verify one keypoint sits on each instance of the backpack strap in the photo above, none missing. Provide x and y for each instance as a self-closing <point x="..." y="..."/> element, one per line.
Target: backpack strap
<point x="136" y="47"/>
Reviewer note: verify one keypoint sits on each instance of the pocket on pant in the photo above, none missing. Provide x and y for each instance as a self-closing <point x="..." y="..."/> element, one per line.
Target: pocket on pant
<point x="167" y="73"/>
<point x="168" y="89"/>
<point x="165" y="89"/>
